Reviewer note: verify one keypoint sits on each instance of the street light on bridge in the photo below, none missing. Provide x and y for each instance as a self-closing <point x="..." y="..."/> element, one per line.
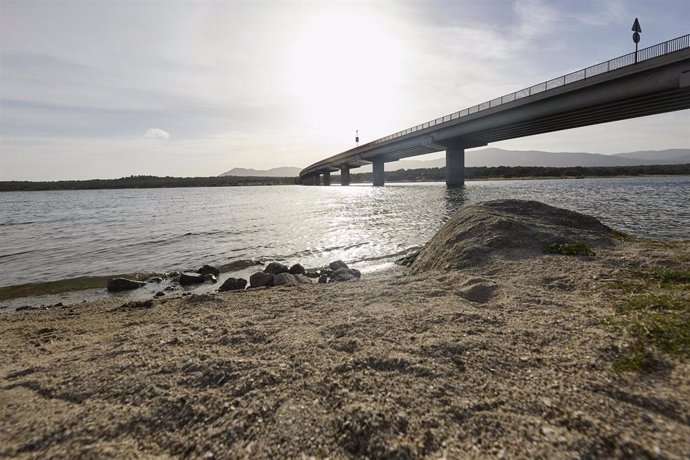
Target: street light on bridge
<point x="357" y="137"/>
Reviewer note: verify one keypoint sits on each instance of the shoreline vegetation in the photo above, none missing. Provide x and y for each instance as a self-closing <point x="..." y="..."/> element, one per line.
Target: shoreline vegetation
<point x="403" y="175"/>
<point x="518" y="330"/>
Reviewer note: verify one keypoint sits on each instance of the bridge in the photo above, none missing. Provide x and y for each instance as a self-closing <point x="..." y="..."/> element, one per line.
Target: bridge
<point x="651" y="81"/>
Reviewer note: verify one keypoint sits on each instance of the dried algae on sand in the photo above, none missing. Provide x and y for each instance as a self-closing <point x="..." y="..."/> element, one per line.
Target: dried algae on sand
<point x="486" y="348"/>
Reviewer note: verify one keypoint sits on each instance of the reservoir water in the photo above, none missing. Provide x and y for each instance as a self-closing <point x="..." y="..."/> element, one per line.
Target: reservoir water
<point x="57" y="235"/>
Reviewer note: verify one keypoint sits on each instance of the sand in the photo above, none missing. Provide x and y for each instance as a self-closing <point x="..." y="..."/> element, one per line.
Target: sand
<point x="509" y="358"/>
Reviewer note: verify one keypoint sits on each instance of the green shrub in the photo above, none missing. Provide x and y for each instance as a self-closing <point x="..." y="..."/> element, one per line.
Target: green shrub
<point x="576" y="248"/>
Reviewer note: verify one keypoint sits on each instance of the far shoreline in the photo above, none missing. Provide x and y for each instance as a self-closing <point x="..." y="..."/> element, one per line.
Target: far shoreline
<point x="474" y="173"/>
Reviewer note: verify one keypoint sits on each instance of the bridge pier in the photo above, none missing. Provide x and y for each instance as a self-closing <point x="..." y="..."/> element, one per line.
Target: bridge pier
<point x="455" y="166"/>
<point x="378" y="169"/>
<point x="344" y="175"/>
<point x="326" y="178"/>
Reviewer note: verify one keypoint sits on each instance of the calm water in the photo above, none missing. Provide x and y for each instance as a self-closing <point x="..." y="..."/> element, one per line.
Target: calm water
<point x="47" y="236"/>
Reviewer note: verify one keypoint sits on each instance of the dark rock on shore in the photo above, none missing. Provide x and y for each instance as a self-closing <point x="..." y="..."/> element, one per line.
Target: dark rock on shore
<point x="407" y="260"/>
<point x="284" y="279"/>
<point x="297" y="269"/>
<point x="124" y="284"/>
<point x="208" y="270"/>
<point x="233" y="284"/>
<point x="337" y="265"/>
<point x="345" y="274"/>
<point x="312" y="274"/>
<point x="188" y="278"/>
<point x="259" y="279"/>
<point x="211" y="278"/>
<point x="275" y="268"/>
<point x="289" y="279"/>
<point x="323" y="279"/>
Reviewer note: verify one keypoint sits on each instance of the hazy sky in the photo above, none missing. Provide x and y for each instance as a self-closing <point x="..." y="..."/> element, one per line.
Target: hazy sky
<point x="104" y="89"/>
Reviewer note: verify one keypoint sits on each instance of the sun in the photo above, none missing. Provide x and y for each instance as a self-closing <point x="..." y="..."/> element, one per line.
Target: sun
<point x="346" y="70"/>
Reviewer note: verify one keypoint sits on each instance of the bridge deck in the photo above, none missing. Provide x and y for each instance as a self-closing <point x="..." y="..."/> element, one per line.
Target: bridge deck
<point x="613" y="90"/>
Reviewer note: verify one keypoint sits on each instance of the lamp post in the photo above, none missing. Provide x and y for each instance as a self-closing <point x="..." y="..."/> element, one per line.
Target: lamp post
<point x="357" y="137"/>
<point x="636" y="36"/>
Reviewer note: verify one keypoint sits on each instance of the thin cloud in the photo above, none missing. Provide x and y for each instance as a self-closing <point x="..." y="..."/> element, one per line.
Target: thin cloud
<point x="157" y="133"/>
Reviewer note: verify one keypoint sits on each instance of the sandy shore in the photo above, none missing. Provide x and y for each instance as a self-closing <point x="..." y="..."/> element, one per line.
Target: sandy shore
<point x="507" y="359"/>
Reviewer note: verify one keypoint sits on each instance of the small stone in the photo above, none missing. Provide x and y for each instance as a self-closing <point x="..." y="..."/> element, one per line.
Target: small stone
<point x="275" y="268"/>
<point x="547" y="430"/>
<point x="285" y="279"/>
<point x="159" y="294"/>
<point x="312" y="274"/>
<point x="207" y="331"/>
<point x="233" y="284"/>
<point x="297" y="269"/>
<point x="154" y="279"/>
<point x="208" y="270"/>
<point x="210" y="278"/>
<point x="323" y="279"/>
<point x="189" y="278"/>
<point x="345" y="274"/>
<point x="259" y="279"/>
<point x="303" y="279"/>
<point x="337" y="265"/>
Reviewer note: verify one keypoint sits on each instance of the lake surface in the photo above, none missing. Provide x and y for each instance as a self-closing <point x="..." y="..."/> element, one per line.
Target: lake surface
<point x="56" y="235"/>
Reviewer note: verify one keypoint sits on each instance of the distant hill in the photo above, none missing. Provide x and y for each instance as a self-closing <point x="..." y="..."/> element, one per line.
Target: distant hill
<point x="493" y="157"/>
<point x="671" y="156"/>
<point x="286" y="171"/>
<point x="499" y="157"/>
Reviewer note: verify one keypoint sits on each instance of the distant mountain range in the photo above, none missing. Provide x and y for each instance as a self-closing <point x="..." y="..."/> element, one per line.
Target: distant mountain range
<point x="500" y="157"/>
<point x="286" y="171"/>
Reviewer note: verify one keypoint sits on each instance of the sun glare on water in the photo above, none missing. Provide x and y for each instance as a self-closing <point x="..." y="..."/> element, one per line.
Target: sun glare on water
<point x="345" y="71"/>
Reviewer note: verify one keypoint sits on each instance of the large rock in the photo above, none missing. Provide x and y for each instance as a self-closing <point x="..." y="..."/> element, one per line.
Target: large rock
<point x="259" y="279"/>
<point x="275" y="267"/>
<point x="312" y="274"/>
<point x="189" y="278"/>
<point x="233" y="284"/>
<point x="505" y="230"/>
<point x="337" y="265"/>
<point x="297" y="269"/>
<point x="209" y="270"/>
<point x="345" y="274"/>
<point x="123" y="284"/>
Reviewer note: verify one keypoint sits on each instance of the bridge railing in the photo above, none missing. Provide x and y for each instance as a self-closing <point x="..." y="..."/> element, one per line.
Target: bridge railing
<point x="644" y="54"/>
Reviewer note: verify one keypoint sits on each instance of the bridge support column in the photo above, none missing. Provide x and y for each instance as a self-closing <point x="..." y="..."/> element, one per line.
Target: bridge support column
<point x="344" y="175"/>
<point x="378" y="169"/>
<point x="326" y="178"/>
<point x="455" y="166"/>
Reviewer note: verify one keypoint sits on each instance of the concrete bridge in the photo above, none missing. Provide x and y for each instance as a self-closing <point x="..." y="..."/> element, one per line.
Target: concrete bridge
<point x="654" y="80"/>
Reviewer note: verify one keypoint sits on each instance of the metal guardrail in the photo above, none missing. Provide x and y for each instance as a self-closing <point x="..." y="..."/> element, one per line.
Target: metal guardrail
<point x="644" y="54"/>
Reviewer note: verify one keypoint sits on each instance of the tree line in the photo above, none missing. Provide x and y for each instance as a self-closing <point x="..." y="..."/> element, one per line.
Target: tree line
<point x="145" y="182"/>
<point x="402" y="175"/>
<point x="512" y="172"/>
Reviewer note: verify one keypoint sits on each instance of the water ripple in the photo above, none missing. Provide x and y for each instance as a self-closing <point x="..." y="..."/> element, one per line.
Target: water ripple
<point x="55" y="235"/>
